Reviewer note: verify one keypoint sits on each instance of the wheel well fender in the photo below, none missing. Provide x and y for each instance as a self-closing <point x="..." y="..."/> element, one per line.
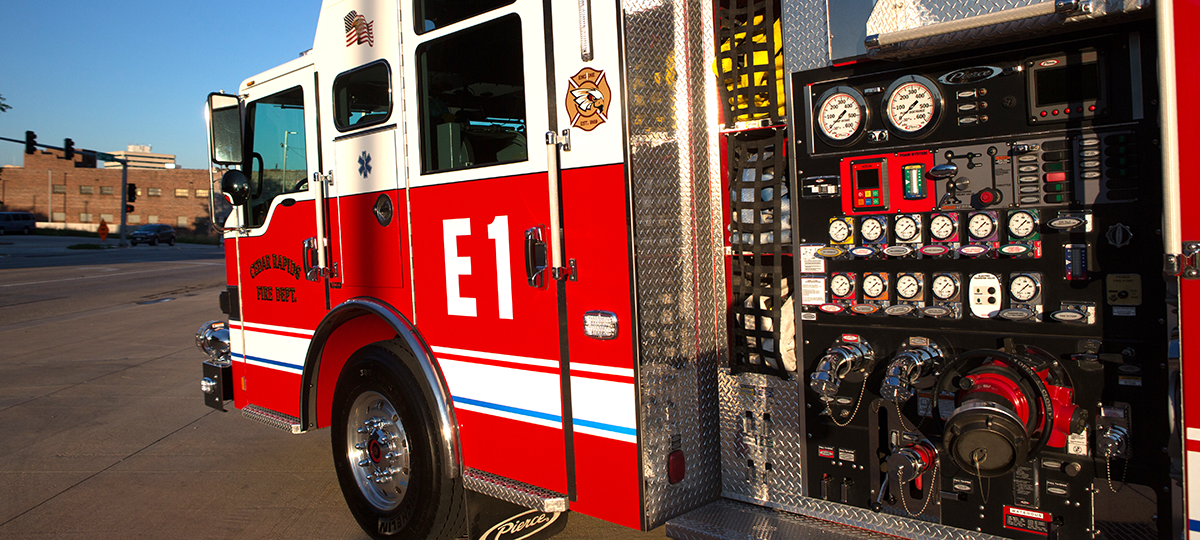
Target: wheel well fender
<point x="352" y="325"/>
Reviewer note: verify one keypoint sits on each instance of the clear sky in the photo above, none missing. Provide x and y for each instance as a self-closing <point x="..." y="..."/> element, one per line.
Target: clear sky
<point x="111" y="74"/>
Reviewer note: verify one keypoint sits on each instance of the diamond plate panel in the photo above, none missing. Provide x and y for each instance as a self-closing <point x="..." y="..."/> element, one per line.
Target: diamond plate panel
<point x="679" y="290"/>
<point x="730" y="520"/>
<point x="805" y="34"/>
<point x="761" y="425"/>
<point x="514" y="492"/>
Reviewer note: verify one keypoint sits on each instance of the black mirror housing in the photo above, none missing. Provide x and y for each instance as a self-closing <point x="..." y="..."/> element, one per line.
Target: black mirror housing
<point x="236" y="187"/>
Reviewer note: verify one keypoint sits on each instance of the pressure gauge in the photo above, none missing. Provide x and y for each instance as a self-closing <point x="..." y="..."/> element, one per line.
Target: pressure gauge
<point x="907" y="229"/>
<point x="840" y="116"/>
<point x="912" y="105"/>
<point x="839" y="231"/>
<point x="872" y="229"/>
<point x="942" y="227"/>
<point x="874" y="286"/>
<point x="1021" y="224"/>
<point x="945" y="287"/>
<point x="908" y="287"/>
<point x="841" y="285"/>
<point x="1023" y="288"/>
<point x="981" y="225"/>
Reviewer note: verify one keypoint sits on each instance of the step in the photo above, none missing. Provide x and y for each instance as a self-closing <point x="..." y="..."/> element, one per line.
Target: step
<point x="542" y="500"/>
<point x="271" y="418"/>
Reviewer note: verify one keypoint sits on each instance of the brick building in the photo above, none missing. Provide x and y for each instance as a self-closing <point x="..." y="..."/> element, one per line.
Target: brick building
<point x="61" y="194"/>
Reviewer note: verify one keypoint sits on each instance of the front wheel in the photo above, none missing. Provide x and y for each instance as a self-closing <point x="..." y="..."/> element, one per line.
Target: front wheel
<point x="154" y="241"/>
<point x="171" y="241"/>
<point x="389" y="459"/>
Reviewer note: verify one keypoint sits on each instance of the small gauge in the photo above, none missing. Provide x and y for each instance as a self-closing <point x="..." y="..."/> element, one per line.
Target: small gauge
<point x="872" y="229"/>
<point x="945" y="287"/>
<point x="1023" y="288"/>
<point x="912" y="105"/>
<point x="839" y="231"/>
<point x="907" y="229"/>
<point x="841" y="286"/>
<point x="874" y="286"/>
<point x="840" y="116"/>
<point x="1021" y="224"/>
<point x="981" y="225"/>
<point x="908" y="287"/>
<point x="941" y="227"/>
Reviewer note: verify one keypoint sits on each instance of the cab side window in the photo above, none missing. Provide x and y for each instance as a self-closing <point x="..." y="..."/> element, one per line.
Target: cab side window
<point x="434" y="14"/>
<point x="362" y="96"/>
<point x="277" y="158"/>
<point x="472" y="91"/>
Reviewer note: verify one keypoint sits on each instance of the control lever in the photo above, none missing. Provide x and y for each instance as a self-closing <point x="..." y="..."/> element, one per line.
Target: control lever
<point x="912" y="362"/>
<point x="846" y="356"/>
<point x="947" y="172"/>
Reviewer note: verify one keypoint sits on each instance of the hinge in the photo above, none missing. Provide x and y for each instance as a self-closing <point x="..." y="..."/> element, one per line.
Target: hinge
<point x="1186" y="265"/>
<point x="565" y="141"/>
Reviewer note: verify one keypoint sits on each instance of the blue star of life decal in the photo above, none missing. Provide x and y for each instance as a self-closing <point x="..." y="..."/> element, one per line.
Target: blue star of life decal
<point x="364" y="164"/>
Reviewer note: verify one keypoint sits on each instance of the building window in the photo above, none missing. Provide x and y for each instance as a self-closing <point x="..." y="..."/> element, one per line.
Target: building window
<point x="58" y="216"/>
<point x="85" y="218"/>
<point x="86" y="190"/>
<point x="107" y="218"/>
<point x="181" y="192"/>
<point x="133" y="218"/>
<point x="181" y="221"/>
<point x="58" y="188"/>
<point x="201" y="193"/>
<point x="154" y="192"/>
<point x="152" y="219"/>
<point x="106" y="190"/>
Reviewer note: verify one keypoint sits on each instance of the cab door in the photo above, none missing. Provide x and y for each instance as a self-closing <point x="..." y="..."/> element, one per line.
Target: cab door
<point x="475" y="85"/>
<point x="280" y="307"/>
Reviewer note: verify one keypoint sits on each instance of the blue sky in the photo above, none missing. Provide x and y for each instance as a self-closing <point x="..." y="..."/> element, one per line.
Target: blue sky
<point x="111" y="74"/>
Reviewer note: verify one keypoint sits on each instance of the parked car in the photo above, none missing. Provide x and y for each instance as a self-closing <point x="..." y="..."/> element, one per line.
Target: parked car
<point x="153" y="233"/>
<point x="13" y="222"/>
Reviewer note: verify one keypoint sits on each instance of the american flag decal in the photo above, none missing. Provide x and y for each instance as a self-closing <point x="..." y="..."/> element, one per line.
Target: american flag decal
<point x="358" y="30"/>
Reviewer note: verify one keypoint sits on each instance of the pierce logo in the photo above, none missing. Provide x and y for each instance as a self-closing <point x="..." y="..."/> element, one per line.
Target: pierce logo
<point x="520" y="526"/>
<point x="587" y="99"/>
<point x="970" y="75"/>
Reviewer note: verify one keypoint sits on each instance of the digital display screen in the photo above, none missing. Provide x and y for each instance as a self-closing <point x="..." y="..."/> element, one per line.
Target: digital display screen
<point x="1067" y="84"/>
<point x="866" y="179"/>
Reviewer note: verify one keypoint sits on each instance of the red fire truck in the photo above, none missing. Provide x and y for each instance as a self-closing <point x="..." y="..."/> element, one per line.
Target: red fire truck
<point x="769" y="268"/>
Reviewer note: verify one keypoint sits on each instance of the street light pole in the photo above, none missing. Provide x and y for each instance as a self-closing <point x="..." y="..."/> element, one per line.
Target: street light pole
<point x="285" y="149"/>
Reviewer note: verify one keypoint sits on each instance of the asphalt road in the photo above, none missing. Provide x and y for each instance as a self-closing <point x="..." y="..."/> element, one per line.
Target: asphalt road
<point x="103" y="433"/>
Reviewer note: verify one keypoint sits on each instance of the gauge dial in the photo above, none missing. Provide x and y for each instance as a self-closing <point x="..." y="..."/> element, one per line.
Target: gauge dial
<point x="841" y="286"/>
<point x="941" y="227"/>
<point x="1023" y="288"/>
<point x="908" y="287"/>
<point x="839" y="231"/>
<point x="1021" y="224"/>
<point x="981" y="225"/>
<point x="912" y="105"/>
<point x="874" y="286"/>
<point x="841" y="115"/>
<point x="907" y="229"/>
<point x="872" y="229"/>
<point x="945" y="287"/>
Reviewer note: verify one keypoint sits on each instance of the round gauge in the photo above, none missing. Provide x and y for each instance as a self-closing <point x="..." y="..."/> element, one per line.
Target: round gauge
<point x="981" y="225"/>
<point x="873" y="286"/>
<point x="839" y="230"/>
<point x="941" y="227"/>
<point x="872" y="229"/>
<point x="841" y="115"/>
<point x="912" y="105"/>
<point x="1021" y="224"/>
<point x="945" y="287"/>
<point x="908" y="287"/>
<point x="1023" y="288"/>
<point x="841" y="286"/>
<point x="907" y="229"/>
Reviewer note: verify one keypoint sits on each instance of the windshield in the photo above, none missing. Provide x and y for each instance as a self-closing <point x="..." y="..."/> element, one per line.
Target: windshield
<point x="147" y="228"/>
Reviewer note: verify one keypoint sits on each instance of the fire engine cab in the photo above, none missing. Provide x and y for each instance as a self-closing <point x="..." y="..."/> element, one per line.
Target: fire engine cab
<point x="769" y="268"/>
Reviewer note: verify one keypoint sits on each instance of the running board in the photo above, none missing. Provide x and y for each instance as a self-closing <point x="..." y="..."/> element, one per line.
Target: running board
<point x="515" y="492"/>
<point x="271" y="418"/>
<point x="731" y="520"/>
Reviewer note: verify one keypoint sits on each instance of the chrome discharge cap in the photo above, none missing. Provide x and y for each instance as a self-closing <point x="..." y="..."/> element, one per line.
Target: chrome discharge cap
<point x="213" y="340"/>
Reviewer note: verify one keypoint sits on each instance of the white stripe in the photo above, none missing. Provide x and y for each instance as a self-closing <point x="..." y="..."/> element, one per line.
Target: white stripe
<point x="1193" y="479"/>
<point x="504" y="386"/>
<point x="606" y="402"/>
<point x="510" y="416"/>
<point x="1193" y="434"/>
<point x="257" y="326"/>
<point x="591" y="368"/>
<point x="275" y="367"/>
<point x="606" y="434"/>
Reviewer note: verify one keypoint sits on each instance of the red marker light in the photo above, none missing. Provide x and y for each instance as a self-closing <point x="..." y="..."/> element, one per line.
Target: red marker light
<point x="1055" y="112"/>
<point x="1092" y="108"/>
<point x="1043" y="113"/>
<point x="1067" y="111"/>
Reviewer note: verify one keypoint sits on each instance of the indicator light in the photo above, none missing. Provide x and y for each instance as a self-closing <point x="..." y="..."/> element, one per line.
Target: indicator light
<point x="1067" y="110"/>
<point x="1043" y="113"/>
<point x="1055" y="112"/>
<point x="600" y="325"/>
<point x="1092" y="108"/>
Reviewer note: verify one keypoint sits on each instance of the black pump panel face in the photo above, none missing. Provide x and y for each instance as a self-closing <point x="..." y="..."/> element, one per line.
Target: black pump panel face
<point x="973" y="215"/>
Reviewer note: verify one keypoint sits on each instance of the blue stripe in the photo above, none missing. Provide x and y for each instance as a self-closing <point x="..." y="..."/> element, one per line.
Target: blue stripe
<point x="1193" y="525"/>
<point x="544" y="416"/>
<point x="272" y="362"/>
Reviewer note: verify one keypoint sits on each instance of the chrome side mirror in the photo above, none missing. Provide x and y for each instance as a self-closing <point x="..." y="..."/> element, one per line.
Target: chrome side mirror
<point x="224" y="129"/>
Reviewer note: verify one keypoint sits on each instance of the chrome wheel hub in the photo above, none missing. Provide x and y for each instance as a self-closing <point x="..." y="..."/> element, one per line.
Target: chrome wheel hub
<point x="378" y="449"/>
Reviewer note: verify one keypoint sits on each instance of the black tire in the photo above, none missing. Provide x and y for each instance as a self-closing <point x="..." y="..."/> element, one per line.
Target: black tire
<point x="3" y="231"/>
<point x="171" y="241"/>
<point x="25" y="230"/>
<point x="132" y="243"/>
<point x="154" y="241"/>
<point x="430" y="505"/>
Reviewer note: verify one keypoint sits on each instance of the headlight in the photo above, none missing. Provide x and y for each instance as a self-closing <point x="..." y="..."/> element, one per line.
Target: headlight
<point x="213" y="340"/>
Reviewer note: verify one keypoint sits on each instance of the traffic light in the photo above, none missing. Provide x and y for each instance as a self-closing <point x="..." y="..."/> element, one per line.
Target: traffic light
<point x="131" y="193"/>
<point x="30" y="142"/>
<point x="128" y="208"/>
<point x="68" y="149"/>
